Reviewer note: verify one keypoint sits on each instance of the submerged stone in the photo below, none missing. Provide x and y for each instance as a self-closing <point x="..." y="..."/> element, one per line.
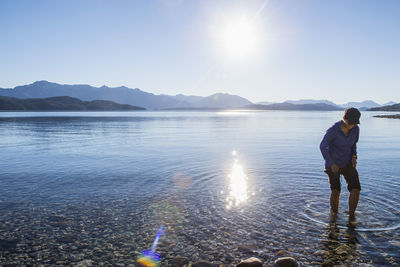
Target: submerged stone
<point x="203" y="263"/>
<point x="342" y="250"/>
<point x="6" y="245"/>
<point x="282" y="254"/>
<point x="250" y="262"/>
<point x="286" y="262"/>
<point x="86" y="262"/>
<point x="178" y="261"/>
<point x="247" y="248"/>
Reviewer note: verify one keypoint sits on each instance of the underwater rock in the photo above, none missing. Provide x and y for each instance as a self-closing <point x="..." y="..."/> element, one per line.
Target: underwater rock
<point x="83" y="245"/>
<point x="203" y="263"/>
<point x="342" y="250"/>
<point x="178" y="261"/>
<point x="250" y="262"/>
<point x="247" y="248"/>
<point x="66" y="239"/>
<point x="282" y="254"/>
<point x="6" y="245"/>
<point x="257" y="235"/>
<point x="286" y="262"/>
<point x="85" y="263"/>
<point x="327" y="264"/>
<point x="321" y="253"/>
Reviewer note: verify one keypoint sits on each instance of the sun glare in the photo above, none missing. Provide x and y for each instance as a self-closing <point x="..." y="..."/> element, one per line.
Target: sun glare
<point x="239" y="38"/>
<point x="237" y="186"/>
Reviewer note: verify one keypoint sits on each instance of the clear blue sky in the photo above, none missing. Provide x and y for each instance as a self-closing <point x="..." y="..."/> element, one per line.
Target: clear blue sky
<point x="340" y="50"/>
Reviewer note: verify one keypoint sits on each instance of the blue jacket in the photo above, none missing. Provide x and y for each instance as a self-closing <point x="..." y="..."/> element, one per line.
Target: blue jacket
<point x="338" y="148"/>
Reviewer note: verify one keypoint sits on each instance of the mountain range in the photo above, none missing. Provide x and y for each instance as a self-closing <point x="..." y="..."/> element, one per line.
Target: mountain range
<point x="290" y="106"/>
<point x="139" y="98"/>
<point x="395" y="107"/>
<point x="123" y="95"/>
<point x="364" y="105"/>
<point x="61" y="103"/>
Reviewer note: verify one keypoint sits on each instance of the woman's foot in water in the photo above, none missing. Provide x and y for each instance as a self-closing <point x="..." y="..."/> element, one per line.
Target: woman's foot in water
<point x="352" y="220"/>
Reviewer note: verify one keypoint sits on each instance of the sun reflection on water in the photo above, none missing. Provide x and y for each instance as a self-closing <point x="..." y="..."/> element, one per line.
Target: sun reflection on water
<point x="238" y="192"/>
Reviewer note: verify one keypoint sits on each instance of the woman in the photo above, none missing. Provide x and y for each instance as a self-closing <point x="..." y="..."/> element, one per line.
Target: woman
<point x="339" y="149"/>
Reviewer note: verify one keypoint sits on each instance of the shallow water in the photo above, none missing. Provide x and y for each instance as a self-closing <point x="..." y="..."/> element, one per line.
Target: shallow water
<point x="94" y="188"/>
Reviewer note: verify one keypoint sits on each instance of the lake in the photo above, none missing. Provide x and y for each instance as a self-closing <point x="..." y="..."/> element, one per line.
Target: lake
<point x="95" y="187"/>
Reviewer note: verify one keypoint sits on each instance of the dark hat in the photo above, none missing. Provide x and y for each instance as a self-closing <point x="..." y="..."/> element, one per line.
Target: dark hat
<point x="352" y="115"/>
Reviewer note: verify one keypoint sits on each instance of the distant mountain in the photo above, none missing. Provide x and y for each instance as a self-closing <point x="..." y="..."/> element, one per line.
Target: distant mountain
<point x="61" y="103"/>
<point x="395" y="107"/>
<point x="188" y="99"/>
<point x="362" y="105"/>
<point x="289" y="106"/>
<point x="311" y="101"/>
<point x="219" y="100"/>
<point x="123" y="95"/>
<point x="389" y="103"/>
<point x="265" y="103"/>
<point x="137" y="97"/>
<point x="222" y="101"/>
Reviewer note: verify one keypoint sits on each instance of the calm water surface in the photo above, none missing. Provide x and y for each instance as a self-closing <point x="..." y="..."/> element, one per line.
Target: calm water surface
<point x="94" y="188"/>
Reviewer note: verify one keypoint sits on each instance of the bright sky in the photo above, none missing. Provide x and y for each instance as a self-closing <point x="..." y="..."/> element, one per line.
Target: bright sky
<point x="274" y="50"/>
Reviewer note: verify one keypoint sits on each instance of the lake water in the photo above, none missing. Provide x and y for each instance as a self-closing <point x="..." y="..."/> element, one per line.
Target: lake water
<point x="94" y="188"/>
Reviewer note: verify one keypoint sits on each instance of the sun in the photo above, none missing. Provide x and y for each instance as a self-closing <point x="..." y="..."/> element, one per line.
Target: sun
<point x="239" y="38"/>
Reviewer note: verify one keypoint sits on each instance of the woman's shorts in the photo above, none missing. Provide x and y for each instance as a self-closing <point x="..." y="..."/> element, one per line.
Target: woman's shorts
<point x="349" y="173"/>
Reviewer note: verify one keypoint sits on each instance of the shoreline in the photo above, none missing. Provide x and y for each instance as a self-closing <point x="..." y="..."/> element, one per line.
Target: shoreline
<point x="395" y="116"/>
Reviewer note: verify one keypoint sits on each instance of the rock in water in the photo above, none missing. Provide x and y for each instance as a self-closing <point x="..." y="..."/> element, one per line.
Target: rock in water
<point x="84" y="263"/>
<point x="342" y="250"/>
<point x="8" y="245"/>
<point x="250" y="262"/>
<point x="178" y="261"/>
<point x="203" y="263"/>
<point x="286" y="262"/>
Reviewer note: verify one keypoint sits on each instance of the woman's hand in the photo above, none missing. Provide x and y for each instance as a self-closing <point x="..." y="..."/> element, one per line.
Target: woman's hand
<point x="335" y="168"/>
<point x="354" y="161"/>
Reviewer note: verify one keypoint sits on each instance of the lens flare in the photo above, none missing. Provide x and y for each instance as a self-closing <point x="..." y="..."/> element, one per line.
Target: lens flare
<point x="181" y="180"/>
<point x="149" y="258"/>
